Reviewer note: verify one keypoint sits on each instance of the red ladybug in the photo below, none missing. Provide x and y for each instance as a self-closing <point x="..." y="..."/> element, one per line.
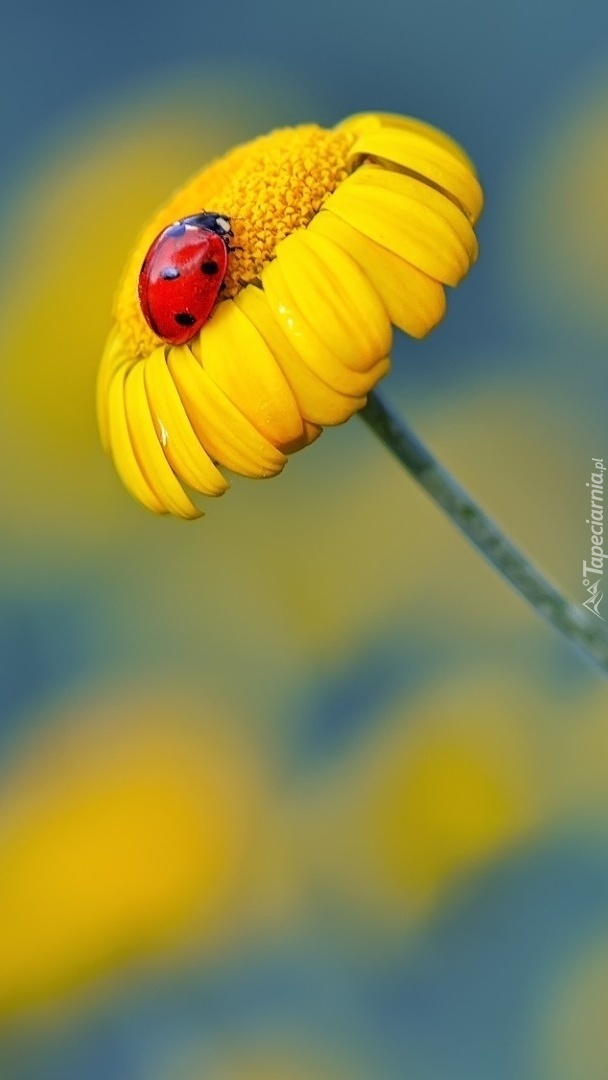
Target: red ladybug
<point x="182" y="275"/>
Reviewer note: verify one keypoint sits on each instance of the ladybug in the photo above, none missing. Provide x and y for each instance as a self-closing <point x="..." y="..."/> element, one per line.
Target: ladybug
<point x="182" y="274"/>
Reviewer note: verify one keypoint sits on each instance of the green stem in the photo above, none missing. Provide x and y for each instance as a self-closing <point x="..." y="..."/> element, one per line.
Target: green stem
<point x="585" y="632"/>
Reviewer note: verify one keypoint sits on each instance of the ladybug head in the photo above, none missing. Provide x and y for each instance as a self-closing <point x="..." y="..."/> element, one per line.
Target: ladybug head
<point x="217" y="223"/>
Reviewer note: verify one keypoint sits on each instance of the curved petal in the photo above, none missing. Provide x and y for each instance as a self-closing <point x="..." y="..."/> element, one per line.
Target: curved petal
<point x="114" y="356"/>
<point x="317" y="401"/>
<point x="361" y="123"/>
<point x="123" y="454"/>
<point x="410" y="218"/>
<point x="175" y="432"/>
<point x="412" y="188"/>
<point x="334" y="293"/>
<point x="309" y="344"/>
<point x="418" y="154"/>
<point x="149" y="452"/>
<point x="414" y="301"/>
<point x="228" y="437"/>
<point x="239" y="361"/>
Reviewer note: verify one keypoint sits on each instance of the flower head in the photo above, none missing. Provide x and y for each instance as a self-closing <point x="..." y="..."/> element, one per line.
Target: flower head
<point x="337" y="235"/>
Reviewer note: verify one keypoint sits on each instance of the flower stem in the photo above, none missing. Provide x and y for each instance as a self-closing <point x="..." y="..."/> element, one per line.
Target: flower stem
<point x="582" y="631"/>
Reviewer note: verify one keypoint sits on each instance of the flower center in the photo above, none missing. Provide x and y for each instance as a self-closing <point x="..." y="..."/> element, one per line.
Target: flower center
<point x="268" y="188"/>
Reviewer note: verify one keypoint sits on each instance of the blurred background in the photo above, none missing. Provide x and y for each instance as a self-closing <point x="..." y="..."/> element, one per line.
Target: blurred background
<point x="302" y="790"/>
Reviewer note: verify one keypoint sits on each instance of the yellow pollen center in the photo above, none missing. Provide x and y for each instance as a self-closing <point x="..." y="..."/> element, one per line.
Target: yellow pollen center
<point x="268" y="188"/>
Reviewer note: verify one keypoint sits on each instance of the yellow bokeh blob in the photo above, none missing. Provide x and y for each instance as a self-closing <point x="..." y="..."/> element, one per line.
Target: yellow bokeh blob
<point x="451" y="781"/>
<point x="440" y="811"/>
<point x="124" y="831"/>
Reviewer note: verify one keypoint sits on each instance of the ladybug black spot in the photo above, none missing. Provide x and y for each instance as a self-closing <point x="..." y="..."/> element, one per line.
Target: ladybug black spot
<point x="169" y="273"/>
<point x="183" y="318"/>
<point x="209" y="267"/>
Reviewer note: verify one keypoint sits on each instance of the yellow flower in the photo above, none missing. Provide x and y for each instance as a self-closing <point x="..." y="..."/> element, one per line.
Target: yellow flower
<point x="338" y="234"/>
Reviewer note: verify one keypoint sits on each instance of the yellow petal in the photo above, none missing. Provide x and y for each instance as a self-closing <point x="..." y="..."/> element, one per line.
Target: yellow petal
<point x="364" y="122"/>
<point x="239" y="361"/>
<point x="309" y="344"/>
<point x="411" y="188"/>
<point x="317" y="401"/>
<point x="334" y="294"/>
<point x="418" y="154"/>
<point x="178" y="440"/>
<point x="414" y="302"/>
<point x="311" y="432"/>
<point x="410" y="218"/>
<point x="148" y="450"/>
<point x="224" y="432"/>
<point x="114" y="356"/>
<point x="127" y="465"/>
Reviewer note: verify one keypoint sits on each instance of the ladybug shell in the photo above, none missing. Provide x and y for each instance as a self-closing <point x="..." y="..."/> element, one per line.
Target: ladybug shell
<point x="180" y="280"/>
